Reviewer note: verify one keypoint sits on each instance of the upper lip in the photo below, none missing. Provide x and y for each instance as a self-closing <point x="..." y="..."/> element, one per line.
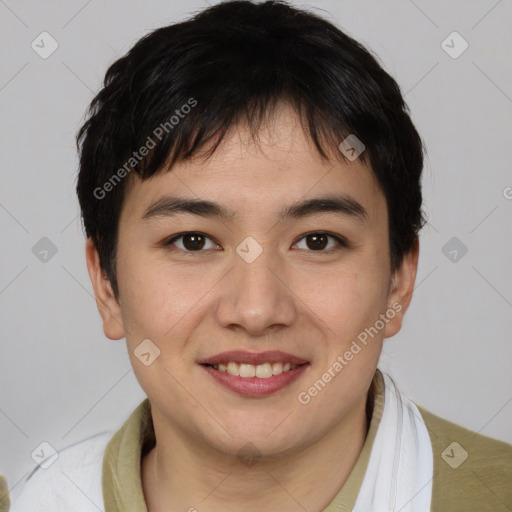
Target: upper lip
<point x="254" y="358"/>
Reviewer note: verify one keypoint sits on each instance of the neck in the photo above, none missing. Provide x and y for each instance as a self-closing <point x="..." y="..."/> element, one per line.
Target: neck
<point x="180" y="474"/>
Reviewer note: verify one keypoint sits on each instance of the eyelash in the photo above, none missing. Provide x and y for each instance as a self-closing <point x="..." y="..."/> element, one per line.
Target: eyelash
<point x="341" y="241"/>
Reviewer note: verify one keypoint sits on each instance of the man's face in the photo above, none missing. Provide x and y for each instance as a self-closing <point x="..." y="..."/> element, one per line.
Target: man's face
<point x="252" y="283"/>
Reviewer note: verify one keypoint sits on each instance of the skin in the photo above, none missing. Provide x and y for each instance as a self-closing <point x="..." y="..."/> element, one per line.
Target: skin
<point x="292" y="298"/>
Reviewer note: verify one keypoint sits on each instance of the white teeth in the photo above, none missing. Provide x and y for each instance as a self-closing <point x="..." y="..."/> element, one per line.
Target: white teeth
<point x="277" y="368"/>
<point x="247" y="370"/>
<point x="262" y="371"/>
<point x="233" y="368"/>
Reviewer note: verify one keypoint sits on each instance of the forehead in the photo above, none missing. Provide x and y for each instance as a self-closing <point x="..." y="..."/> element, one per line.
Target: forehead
<point x="278" y="166"/>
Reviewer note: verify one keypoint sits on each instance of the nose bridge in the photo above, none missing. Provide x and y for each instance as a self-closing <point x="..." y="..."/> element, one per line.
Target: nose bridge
<point x="256" y="297"/>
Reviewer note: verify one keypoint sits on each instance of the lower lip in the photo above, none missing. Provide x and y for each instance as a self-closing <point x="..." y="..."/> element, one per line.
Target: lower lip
<point x="254" y="386"/>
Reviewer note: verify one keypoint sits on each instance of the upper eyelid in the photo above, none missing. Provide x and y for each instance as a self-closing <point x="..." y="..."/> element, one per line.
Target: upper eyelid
<point x="183" y="233"/>
<point x="340" y="239"/>
<point x="173" y="238"/>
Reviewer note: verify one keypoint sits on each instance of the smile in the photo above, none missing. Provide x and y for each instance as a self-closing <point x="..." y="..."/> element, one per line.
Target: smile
<point x="254" y="374"/>
<point x="261" y="371"/>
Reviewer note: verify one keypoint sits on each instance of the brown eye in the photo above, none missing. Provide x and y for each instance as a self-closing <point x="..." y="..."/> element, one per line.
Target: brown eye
<point x="317" y="242"/>
<point x="321" y="242"/>
<point x="191" y="242"/>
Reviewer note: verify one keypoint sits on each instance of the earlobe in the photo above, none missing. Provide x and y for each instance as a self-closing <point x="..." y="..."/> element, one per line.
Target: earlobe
<point x="401" y="290"/>
<point x="107" y="304"/>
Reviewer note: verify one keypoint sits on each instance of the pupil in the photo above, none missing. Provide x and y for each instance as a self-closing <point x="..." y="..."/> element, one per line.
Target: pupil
<point x="318" y="241"/>
<point x="192" y="242"/>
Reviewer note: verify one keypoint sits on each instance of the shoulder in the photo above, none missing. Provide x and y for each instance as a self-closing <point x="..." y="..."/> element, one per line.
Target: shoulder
<point x="71" y="481"/>
<point x="471" y="471"/>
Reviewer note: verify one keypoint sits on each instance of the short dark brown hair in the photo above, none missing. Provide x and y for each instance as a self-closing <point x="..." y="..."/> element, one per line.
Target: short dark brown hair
<point x="182" y="85"/>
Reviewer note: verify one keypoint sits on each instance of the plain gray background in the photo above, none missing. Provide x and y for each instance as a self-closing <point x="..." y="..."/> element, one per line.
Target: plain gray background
<point x="63" y="381"/>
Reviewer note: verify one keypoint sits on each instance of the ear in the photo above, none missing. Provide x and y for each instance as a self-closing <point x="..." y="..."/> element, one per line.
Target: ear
<point x="108" y="306"/>
<point x="401" y="289"/>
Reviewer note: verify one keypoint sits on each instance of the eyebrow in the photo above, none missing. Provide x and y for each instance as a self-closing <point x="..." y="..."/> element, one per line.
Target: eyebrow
<point x="342" y="204"/>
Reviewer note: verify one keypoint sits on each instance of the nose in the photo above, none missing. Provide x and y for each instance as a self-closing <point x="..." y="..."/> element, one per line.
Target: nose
<point x="255" y="297"/>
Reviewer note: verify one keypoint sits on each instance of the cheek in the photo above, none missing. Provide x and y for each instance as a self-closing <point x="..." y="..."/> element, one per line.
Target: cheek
<point x="155" y="295"/>
<point x="350" y="301"/>
<point x="157" y="306"/>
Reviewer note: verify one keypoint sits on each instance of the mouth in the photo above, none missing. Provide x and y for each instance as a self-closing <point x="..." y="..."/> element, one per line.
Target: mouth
<point x="254" y="374"/>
